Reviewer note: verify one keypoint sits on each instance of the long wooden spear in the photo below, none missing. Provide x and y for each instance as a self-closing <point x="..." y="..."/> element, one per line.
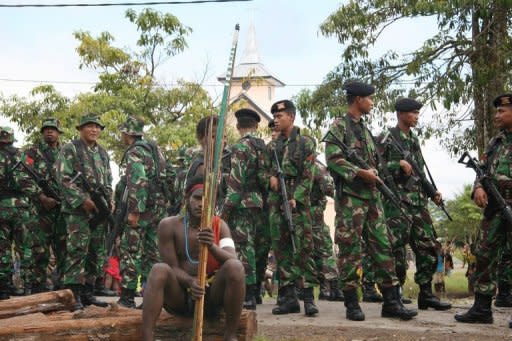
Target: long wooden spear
<point x="212" y="162"/>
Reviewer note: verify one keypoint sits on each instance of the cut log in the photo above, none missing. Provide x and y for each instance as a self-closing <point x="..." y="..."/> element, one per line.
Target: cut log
<point x="115" y="324"/>
<point x="38" y="303"/>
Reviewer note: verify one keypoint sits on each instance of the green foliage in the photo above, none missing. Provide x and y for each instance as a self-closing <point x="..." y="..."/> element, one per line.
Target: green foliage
<point x="126" y="86"/>
<point x="461" y="67"/>
<point x="466" y="217"/>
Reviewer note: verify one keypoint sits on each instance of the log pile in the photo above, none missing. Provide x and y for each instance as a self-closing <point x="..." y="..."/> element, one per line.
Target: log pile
<point x="46" y="316"/>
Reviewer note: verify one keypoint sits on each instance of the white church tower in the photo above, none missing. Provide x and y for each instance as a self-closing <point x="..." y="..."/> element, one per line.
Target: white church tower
<point x="252" y="85"/>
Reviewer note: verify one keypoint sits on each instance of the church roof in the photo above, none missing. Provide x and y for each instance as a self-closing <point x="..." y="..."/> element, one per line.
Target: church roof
<point x="253" y="104"/>
<point x="250" y="65"/>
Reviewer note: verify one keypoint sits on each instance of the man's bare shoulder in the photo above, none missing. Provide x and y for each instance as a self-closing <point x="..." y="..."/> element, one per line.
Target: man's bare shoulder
<point x="169" y="225"/>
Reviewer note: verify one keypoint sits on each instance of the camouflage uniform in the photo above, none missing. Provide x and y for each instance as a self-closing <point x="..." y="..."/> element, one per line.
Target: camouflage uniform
<point x="244" y="199"/>
<point x="323" y="253"/>
<point x="52" y="230"/>
<point x="360" y="223"/>
<point x="297" y="158"/>
<point x="17" y="216"/>
<point x="85" y="244"/>
<point x="145" y="176"/>
<point x="420" y="234"/>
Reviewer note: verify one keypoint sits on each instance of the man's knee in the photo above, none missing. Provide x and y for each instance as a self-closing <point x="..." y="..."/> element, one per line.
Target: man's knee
<point x="160" y="273"/>
<point x="234" y="270"/>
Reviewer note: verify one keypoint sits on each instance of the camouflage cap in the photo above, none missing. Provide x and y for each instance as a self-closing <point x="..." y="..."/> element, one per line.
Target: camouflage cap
<point x="90" y="118"/>
<point x="132" y="126"/>
<point x="7" y="135"/>
<point x="51" y="122"/>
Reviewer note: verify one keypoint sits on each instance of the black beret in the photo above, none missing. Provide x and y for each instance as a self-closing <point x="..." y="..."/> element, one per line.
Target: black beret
<point x="247" y="114"/>
<point x="503" y="100"/>
<point x="407" y="105"/>
<point x="271" y="124"/>
<point x="282" y="106"/>
<point x="358" y="88"/>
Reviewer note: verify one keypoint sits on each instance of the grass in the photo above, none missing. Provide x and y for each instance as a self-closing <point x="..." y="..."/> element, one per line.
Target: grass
<point x="456" y="284"/>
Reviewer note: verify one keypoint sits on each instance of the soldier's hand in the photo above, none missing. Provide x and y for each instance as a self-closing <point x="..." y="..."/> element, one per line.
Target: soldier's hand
<point x="133" y="219"/>
<point x="89" y="206"/>
<point x="205" y="236"/>
<point x="195" y="289"/>
<point x="293" y="204"/>
<point x="480" y="197"/>
<point x="274" y="184"/>
<point x="369" y="176"/>
<point x="438" y="198"/>
<point x="406" y="167"/>
<point x="47" y="202"/>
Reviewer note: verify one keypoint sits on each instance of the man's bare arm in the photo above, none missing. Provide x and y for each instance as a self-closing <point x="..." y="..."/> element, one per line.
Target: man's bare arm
<point x="167" y="248"/>
<point x="221" y="254"/>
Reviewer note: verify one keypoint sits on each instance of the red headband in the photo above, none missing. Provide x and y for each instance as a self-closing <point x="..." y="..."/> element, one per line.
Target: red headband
<point x="195" y="187"/>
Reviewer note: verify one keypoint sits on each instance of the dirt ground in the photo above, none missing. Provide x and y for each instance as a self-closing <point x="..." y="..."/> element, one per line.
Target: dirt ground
<point x="331" y="324"/>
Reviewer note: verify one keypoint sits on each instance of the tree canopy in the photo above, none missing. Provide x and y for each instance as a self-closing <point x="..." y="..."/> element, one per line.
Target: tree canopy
<point x="458" y="71"/>
<point x="127" y="85"/>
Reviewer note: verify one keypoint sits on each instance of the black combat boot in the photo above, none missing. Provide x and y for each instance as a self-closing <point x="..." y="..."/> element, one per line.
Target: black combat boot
<point x="393" y="307"/>
<point x="77" y="293"/>
<point x="38" y="288"/>
<point x="335" y="295"/>
<point x="310" y="309"/>
<point x="89" y="299"/>
<point x="354" y="312"/>
<point x="280" y="296"/>
<point x="324" y="291"/>
<point x="426" y="299"/>
<point x="480" y="312"/>
<point x="100" y="290"/>
<point x="127" y="298"/>
<point x="503" y="298"/>
<point x="259" y="291"/>
<point x="250" y="300"/>
<point x="404" y="300"/>
<point x="4" y="290"/>
<point x="370" y="294"/>
<point x="300" y="293"/>
<point x="290" y="302"/>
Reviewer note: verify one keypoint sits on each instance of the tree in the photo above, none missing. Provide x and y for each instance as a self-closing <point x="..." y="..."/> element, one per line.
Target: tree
<point x="461" y="68"/>
<point x="466" y="217"/>
<point x="127" y="85"/>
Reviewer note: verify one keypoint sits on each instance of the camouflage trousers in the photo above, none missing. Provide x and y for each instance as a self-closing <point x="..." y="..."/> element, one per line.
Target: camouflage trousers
<point x="85" y="250"/>
<point x="323" y="252"/>
<point x="243" y="224"/>
<point x="14" y="224"/>
<point x="139" y="250"/>
<point x="504" y="272"/>
<point x="262" y="244"/>
<point x="494" y="241"/>
<point x="361" y="231"/>
<point x="294" y="268"/>
<point x="49" y="234"/>
<point x="420" y="235"/>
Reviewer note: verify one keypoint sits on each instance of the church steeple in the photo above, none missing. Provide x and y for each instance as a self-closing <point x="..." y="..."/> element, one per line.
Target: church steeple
<point x="251" y="54"/>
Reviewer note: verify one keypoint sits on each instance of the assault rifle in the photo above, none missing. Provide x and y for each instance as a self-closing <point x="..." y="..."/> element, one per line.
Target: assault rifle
<point x="351" y="154"/>
<point x="489" y="187"/>
<point x="99" y="196"/>
<point x="429" y="187"/>
<point x="284" y="196"/>
<point x="118" y="226"/>
<point x="42" y="183"/>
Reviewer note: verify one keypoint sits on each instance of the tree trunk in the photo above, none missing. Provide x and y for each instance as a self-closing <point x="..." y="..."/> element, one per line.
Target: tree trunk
<point x="43" y="302"/>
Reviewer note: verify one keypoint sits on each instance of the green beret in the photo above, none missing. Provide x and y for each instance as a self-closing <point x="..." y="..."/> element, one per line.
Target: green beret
<point x="358" y="88"/>
<point x="282" y="105"/>
<point x="503" y="100"/>
<point x="90" y="118"/>
<point x="407" y="105"/>
<point x="132" y="126"/>
<point x="51" y="122"/>
<point x="247" y="114"/>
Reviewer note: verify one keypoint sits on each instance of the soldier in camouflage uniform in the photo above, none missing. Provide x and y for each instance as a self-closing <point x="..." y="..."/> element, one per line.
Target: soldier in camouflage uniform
<point x="17" y="217"/>
<point x="504" y="280"/>
<point x="51" y="233"/>
<point x="360" y="223"/>
<point x="323" y="186"/>
<point x="243" y="206"/>
<point x="83" y="163"/>
<point x="420" y="234"/>
<point x="296" y="155"/>
<point x="494" y="233"/>
<point x="144" y="176"/>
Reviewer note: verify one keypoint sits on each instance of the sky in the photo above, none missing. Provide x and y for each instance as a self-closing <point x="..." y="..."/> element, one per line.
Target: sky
<point x="38" y="45"/>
